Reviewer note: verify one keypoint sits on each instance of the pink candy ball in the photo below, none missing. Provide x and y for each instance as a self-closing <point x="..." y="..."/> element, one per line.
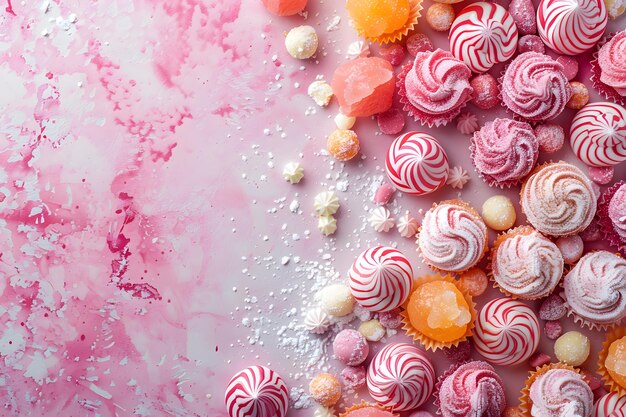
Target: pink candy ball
<point x="550" y="137"/>
<point x="384" y="194"/>
<point x="553" y="329"/>
<point x="350" y="347"/>
<point x="393" y="53"/>
<point x="531" y="43"/>
<point x="485" y="91"/>
<point x="390" y="122"/>
<point x="418" y="42"/>
<point x="601" y="175"/>
<point x="353" y="377"/>
<point x="553" y="308"/>
<point x="571" y="248"/>
<point x="390" y="319"/>
<point x="570" y="66"/>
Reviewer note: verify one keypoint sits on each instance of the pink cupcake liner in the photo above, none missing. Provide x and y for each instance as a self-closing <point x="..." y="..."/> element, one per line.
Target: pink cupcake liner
<point x="492" y="182"/>
<point x="606" y="225"/>
<point x="606" y="91"/>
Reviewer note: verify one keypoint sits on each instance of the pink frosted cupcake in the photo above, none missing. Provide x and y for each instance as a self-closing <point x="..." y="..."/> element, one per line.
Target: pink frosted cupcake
<point x="595" y="290"/>
<point x="612" y="213"/>
<point x="504" y="151"/>
<point x="535" y="87"/>
<point x="435" y="87"/>
<point x="472" y="389"/>
<point x="608" y="72"/>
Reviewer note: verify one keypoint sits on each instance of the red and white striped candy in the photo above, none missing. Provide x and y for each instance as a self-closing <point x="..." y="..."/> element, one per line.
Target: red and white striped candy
<point x="507" y="332"/>
<point x="571" y="27"/>
<point x="256" y="391"/>
<point x="598" y="134"/>
<point x="401" y="376"/>
<point x="611" y="405"/>
<point x="417" y="164"/>
<point x="482" y="35"/>
<point x="381" y="278"/>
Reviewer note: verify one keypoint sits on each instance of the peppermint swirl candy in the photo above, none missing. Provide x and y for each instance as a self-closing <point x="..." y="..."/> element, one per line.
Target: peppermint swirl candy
<point x="482" y="35"/>
<point x="611" y="405"/>
<point x="417" y="164"/>
<point x="504" y="151"/>
<point x="535" y="87"/>
<point x="559" y="200"/>
<point x="400" y="376"/>
<point x="595" y="289"/>
<point x="452" y="238"/>
<point x="528" y="266"/>
<point x="256" y="391"/>
<point x="571" y="27"/>
<point x="617" y="211"/>
<point x="507" y="332"/>
<point x="611" y="58"/>
<point x="381" y="278"/>
<point x="473" y="389"/>
<point x="598" y="134"/>
<point x="561" y="393"/>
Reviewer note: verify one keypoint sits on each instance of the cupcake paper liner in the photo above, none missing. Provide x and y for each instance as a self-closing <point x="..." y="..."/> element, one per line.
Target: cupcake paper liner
<point x="610" y="337"/>
<point x="606" y="225"/>
<point x="606" y="91"/>
<point x="411" y="22"/>
<point x="364" y="404"/>
<point x="428" y="343"/>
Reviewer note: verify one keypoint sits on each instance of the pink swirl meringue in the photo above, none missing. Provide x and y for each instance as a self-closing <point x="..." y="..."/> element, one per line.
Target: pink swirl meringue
<point x="612" y="215"/>
<point x="482" y="35"/>
<point x="561" y="393"/>
<point x="617" y="211"/>
<point x="558" y="199"/>
<point x="473" y="389"/>
<point x="452" y="237"/>
<point x="435" y="88"/>
<point x="571" y="27"/>
<point x="611" y="58"/>
<point x="504" y="151"/>
<point x="595" y="289"/>
<point x="467" y="123"/>
<point x="526" y="265"/>
<point x="535" y="87"/>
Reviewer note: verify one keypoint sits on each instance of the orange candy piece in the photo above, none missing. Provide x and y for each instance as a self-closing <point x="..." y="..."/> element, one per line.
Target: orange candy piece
<point x="439" y="311"/>
<point x="378" y="17"/>
<point x="284" y="7"/>
<point x="615" y="362"/>
<point x="343" y="145"/>
<point x="474" y="281"/>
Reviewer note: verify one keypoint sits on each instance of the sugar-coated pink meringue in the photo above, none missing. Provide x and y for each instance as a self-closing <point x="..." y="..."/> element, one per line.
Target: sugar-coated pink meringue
<point x="504" y="151"/>
<point x="611" y="60"/>
<point x="473" y="389"/>
<point x="617" y="211"/>
<point x="595" y="289"/>
<point x="535" y="87"/>
<point x="561" y="393"/>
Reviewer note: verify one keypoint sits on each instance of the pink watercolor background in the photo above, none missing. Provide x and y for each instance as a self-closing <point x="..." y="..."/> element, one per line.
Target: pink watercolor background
<point x="137" y="183"/>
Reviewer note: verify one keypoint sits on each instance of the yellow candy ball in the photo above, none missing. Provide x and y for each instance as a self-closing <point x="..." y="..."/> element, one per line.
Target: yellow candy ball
<point x="499" y="213"/>
<point x="572" y="348"/>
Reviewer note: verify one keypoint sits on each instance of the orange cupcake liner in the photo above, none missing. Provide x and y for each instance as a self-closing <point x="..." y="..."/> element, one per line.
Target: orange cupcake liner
<point x="613" y="335"/>
<point x="411" y="22"/>
<point x="364" y="404"/>
<point x="525" y="401"/>
<point x="428" y="343"/>
<point x="467" y="207"/>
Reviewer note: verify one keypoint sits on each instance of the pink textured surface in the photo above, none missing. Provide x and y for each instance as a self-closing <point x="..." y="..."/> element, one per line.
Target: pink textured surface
<point x="143" y="204"/>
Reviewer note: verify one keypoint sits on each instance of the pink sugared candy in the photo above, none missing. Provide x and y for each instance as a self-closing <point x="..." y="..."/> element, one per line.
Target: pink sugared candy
<point x="460" y="353"/>
<point x="350" y="347"/>
<point x="485" y="91"/>
<point x="553" y="329"/>
<point x="523" y="13"/>
<point x="383" y="194"/>
<point x="531" y="43"/>
<point x="601" y="175"/>
<point x="364" y="86"/>
<point x="418" y="42"/>
<point x="353" y="377"/>
<point x="539" y="359"/>
<point x="393" y="53"/>
<point x="474" y="281"/>
<point x="390" y="319"/>
<point x="550" y="137"/>
<point x="284" y="7"/>
<point x="571" y="248"/>
<point x="553" y="308"/>
<point x="391" y="122"/>
<point x="570" y="66"/>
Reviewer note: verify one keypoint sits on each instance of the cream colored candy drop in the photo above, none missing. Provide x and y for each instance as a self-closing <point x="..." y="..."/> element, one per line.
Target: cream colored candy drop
<point x="572" y="348"/>
<point x="372" y="330"/>
<point x="301" y="42"/>
<point x="336" y="300"/>
<point x="499" y="213"/>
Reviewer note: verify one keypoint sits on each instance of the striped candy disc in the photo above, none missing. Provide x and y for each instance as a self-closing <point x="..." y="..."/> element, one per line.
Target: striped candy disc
<point x="256" y="391"/>
<point x="611" y="405"/>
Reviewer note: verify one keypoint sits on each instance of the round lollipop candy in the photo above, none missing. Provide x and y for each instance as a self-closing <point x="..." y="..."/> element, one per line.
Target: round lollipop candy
<point x="571" y="27"/>
<point x="417" y="164"/>
<point x="482" y="35"/>
<point x="507" y="332"/>
<point x="598" y="134"/>
<point x="381" y="278"/>
<point x="256" y="391"/>
<point x="611" y="405"/>
<point x="400" y="376"/>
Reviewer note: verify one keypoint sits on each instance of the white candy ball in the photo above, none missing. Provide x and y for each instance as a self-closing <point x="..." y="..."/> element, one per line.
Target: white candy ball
<point x="301" y="42"/>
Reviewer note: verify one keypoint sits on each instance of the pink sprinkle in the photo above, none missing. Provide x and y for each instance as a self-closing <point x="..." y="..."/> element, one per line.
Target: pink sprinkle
<point x="353" y="377"/>
<point x="485" y="91"/>
<point x="570" y="66"/>
<point x="553" y="308"/>
<point x="592" y="379"/>
<point x="418" y="42"/>
<point x="592" y="232"/>
<point x="571" y="248"/>
<point x="390" y="319"/>
<point x="523" y="13"/>
<point x="393" y="53"/>
<point x="459" y="353"/>
<point x="383" y="194"/>
<point x="539" y="359"/>
<point x="550" y="137"/>
<point x="553" y="329"/>
<point x="391" y="122"/>
<point x="531" y="43"/>
<point x="601" y="175"/>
